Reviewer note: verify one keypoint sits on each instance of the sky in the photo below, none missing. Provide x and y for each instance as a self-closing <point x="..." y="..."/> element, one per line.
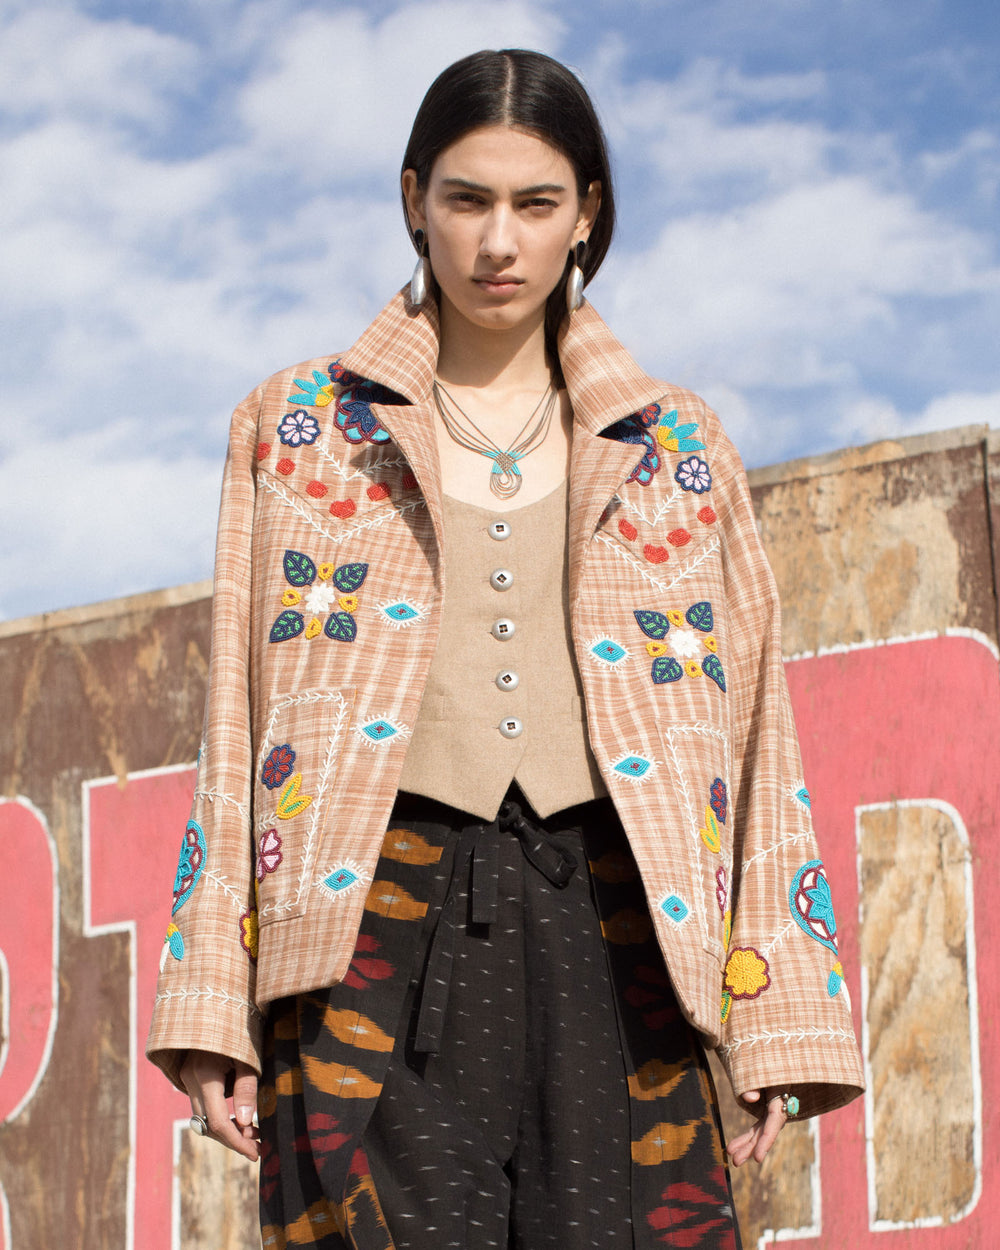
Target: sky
<point x="195" y="193"/>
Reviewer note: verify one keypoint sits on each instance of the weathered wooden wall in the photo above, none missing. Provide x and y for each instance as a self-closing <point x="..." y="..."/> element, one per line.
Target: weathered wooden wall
<point x="885" y="557"/>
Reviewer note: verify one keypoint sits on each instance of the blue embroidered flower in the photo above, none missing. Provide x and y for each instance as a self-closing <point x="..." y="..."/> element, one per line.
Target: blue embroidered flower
<point x="676" y="437"/>
<point x="317" y="393"/>
<point x="720" y="799"/>
<point x="278" y="766"/>
<point x="353" y="415"/>
<point x="190" y="865"/>
<point x="298" y="429"/>
<point x="811" y="903"/>
<point x="632" y="429"/>
<point x="649" y="465"/>
<point x="693" y="474"/>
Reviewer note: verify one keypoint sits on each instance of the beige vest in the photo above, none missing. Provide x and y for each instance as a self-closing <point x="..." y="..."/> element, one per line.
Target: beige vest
<point x="503" y="699"/>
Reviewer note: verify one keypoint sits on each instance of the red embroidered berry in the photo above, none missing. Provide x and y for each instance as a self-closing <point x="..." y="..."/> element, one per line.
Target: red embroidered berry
<point x="628" y="530"/>
<point x="285" y="466"/>
<point x="655" y="555"/>
<point x="343" y="508"/>
<point x="409" y="481"/>
<point x="707" y="515"/>
<point x="263" y="449"/>
<point x="678" y="538"/>
<point x="317" y="490"/>
<point x="377" y="491"/>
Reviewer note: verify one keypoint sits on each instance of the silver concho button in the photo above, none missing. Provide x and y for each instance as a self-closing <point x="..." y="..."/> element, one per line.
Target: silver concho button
<point x="507" y="679"/>
<point x="499" y="530"/>
<point x="501" y="579"/>
<point x="503" y="629"/>
<point x="511" y="727"/>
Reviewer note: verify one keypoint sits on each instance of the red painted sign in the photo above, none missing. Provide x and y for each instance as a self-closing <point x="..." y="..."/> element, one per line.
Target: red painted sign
<point x="915" y="721"/>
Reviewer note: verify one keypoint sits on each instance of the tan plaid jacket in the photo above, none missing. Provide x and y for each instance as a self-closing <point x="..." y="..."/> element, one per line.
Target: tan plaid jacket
<point x="328" y="586"/>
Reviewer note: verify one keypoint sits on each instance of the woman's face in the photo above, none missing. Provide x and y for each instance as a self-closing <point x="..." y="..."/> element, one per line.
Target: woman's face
<point x="501" y="212"/>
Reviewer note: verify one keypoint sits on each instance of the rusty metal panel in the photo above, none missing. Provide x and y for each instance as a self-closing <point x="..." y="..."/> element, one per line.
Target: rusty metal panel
<point x="885" y="558"/>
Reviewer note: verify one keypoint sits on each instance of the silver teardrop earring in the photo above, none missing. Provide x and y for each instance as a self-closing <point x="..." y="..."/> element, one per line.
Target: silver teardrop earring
<point x="421" y="280"/>
<point x="574" y="283"/>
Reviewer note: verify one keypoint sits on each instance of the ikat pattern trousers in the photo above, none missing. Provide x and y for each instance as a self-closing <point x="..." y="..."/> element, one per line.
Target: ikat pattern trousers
<point x="504" y="1066"/>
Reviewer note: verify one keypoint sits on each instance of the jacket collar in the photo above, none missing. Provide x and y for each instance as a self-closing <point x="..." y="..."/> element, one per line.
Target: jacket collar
<point x="400" y="350"/>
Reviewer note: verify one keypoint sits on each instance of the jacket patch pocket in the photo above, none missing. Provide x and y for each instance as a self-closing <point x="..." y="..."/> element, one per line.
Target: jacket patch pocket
<point x="297" y="760"/>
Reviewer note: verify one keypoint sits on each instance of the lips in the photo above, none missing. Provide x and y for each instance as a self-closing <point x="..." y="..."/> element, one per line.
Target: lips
<point x="497" y="282"/>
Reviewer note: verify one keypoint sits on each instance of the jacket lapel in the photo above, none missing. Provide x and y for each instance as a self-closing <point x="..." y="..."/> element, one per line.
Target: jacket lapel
<point x="605" y="384"/>
<point x="399" y="350"/>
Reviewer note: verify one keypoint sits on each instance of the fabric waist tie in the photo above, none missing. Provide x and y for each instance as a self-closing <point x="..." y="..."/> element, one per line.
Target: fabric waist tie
<point x="477" y="860"/>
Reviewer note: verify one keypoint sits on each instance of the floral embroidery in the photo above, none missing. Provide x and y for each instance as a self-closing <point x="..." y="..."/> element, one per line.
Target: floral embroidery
<point x="290" y="803"/>
<point x="249" y="932"/>
<point x="811" y="904"/>
<point x="719" y="799"/>
<point x="343" y="508"/>
<point x="302" y="573"/>
<point x="801" y="796"/>
<point x="711" y="835"/>
<point x="633" y="429"/>
<point x="693" y="474"/>
<point x="721" y="889"/>
<point x="320" y="598"/>
<point x="190" y="865"/>
<point x="317" y="393"/>
<point x="747" y="973"/>
<point x="268" y="853"/>
<point x="676" y="437"/>
<point x="628" y="530"/>
<point x="685" y="643"/>
<point x="173" y="944"/>
<point x="278" y="766"/>
<point x="655" y="555"/>
<point x="298" y="429"/>
<point x="835" y="981"/>
<point x="726" y="1006"/>
<point x="353" y="416"/>
<point x="707" y="515"/>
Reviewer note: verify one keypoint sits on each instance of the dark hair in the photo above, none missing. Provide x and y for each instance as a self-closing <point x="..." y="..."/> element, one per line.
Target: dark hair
<point x="535" y="93"/>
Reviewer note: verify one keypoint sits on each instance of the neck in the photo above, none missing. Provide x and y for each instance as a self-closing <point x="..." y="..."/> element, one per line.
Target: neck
<point x="476" y="356"/>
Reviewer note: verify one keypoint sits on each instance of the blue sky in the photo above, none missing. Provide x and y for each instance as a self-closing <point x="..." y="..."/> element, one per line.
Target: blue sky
<point x="193" y="195"/>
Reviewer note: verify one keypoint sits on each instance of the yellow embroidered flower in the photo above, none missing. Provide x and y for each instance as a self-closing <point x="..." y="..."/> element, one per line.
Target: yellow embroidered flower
<point x="290" y="804"/>
<point x="348" y="603"/>
<point x="675" y="617"/>
<point x="656" y="649"/>
<point x="727" y="1002"/>
<point x="710" y="834"/>
<point x="666" y="437"/>
<point x="249" y="932"/>
<point x="747" y="973"/>
<point x="325" y="571"/>
<point x="324" y="396"/>
<point x="692" y="668"/>
<point x="711" y="644"/>
<point x="314" y="627"/>
<point x="291" y="597"/>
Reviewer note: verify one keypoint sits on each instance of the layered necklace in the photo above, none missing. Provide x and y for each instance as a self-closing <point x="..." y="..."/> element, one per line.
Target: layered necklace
<point x="505" y="476"/>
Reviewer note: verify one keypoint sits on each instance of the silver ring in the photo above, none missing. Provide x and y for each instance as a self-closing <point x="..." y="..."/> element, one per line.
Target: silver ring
<point x="199" y="1125"/>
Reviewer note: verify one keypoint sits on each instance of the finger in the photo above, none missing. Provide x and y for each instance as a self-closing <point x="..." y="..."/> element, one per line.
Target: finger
<point x="769" y="1129"/>
<point x="752" y="1095"/>
<point x="741" y="1147"/>
<point x="208" y="1073"/>
<point x="245" y="1099"/>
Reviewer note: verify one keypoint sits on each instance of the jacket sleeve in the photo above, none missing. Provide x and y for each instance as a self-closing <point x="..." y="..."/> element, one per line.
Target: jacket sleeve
<point x="205" y="993"/>
<point x="787" y="1019"/>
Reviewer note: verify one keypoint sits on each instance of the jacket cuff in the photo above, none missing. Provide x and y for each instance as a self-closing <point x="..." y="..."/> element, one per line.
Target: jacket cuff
<point x="823" y="1073"/>
<point x="203" y="1019"/>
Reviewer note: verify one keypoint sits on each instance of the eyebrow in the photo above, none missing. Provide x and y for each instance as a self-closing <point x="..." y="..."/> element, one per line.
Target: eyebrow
<point x="543" y="188"/>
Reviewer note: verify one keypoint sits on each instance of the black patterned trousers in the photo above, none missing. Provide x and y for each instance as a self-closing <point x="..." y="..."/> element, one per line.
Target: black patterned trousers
<point x="504" y="1065"/>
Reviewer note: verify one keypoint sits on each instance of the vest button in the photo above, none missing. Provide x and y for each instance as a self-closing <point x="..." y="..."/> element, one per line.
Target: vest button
<point x="499" y="530"/>
<point x="501" y="579"/>
<point x="511" y="727"/>
<point x="507" y="679"/>
<point x="503" y="629"/>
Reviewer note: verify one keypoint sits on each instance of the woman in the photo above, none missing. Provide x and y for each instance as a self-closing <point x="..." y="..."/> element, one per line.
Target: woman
<point x="484" y="584"/>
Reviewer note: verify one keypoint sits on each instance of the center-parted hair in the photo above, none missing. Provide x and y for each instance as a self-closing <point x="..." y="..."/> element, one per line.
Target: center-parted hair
<point x="534" y="93"/>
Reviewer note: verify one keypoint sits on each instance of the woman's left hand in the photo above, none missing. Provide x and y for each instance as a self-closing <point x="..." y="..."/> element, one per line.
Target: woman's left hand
<point x="759" y="1139"/>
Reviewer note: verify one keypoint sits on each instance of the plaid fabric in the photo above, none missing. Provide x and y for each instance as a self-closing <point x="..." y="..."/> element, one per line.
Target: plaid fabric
<point x="329" y="578"/>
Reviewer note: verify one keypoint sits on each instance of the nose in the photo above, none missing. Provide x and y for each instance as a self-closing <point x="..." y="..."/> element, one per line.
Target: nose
<point x="499" y="241"/>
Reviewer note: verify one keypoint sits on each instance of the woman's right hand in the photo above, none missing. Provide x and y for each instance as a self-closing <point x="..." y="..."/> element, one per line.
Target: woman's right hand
<point x="204" y="1076"/>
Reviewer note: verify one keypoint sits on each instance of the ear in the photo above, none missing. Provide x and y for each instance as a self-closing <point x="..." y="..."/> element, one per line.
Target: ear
<point x="589" y="207"/>
<point x="413" y="197"/>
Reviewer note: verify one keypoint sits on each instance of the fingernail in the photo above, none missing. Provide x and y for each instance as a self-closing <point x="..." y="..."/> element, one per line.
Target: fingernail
<point x="244" y="1115"/>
